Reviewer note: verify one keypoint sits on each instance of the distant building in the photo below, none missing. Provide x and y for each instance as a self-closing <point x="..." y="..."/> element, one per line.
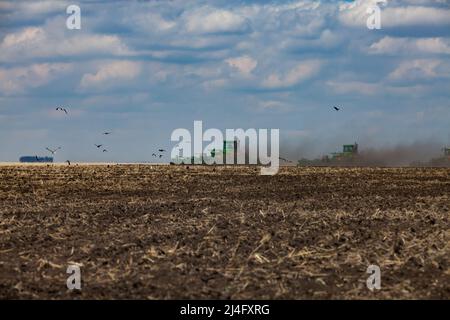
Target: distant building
<point x="36" y="159"/>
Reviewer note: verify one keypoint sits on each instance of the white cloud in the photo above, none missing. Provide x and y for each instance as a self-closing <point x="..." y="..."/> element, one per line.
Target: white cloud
<point x="354" y="14"/>
<point x="111" y="72"/>
<point x="17" y="80"/>
<point x="151" y="22"/>
<point x="36" y="42"/>
<point x="273" y="105"/>
<point x="211" y="20"/>
<point x="32" y="9"/>
<point x="19" y="40"/>
<point x="415" y="16"/>
<point x="416" y="69"/>
<point x="390" y="45"/>
<point x="301" y="72"/>
<point x="42" y="7"/>
<point x="244" y="64"/>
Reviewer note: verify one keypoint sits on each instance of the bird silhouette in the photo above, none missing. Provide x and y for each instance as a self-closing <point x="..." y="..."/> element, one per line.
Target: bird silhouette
<point x="153" y="155"/>
<point x="161" y="150"/>
<point x="54" y="150"/>
<point x="160" y="155"/>
<point x="106" y="133"/>
<point x="104" y="150"/>
<point x="98" y="145"/>
<point x="68" y="162"/>
<point x="336" y="108"/>
<point x="62" y="109"/>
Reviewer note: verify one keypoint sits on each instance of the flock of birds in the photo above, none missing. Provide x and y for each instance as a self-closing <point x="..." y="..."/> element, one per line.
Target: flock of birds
<point x="98" y="146"/>
<point x="159" y="155"/>
<point x="156" y="155"/>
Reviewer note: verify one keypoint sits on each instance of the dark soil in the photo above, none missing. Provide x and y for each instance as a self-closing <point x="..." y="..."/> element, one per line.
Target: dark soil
<point x="172" y="232"/>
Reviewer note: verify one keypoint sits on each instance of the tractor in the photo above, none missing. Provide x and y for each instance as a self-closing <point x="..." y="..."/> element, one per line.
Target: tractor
<point x="349" y="152"/>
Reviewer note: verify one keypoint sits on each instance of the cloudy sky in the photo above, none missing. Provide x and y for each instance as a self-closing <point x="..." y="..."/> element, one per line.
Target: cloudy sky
<point x="144" y="68"/>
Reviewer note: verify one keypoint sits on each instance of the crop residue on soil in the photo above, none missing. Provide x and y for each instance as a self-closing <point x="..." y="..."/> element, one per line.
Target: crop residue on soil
<point x="172" y="232"/>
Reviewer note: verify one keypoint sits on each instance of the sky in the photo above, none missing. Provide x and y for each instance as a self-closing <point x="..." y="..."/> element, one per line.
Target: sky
<point x="142" y="69"/>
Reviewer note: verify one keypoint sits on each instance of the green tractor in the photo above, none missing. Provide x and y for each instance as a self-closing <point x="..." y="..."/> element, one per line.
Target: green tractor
<point x="442" y="161"/>
<point x="347" y="156"/>
<point x="349" y="152"/>
<point x="229" y="147"/>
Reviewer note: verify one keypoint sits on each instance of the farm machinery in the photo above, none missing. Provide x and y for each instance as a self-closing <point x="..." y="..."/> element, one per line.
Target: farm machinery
<point x="348" y="155"/>
<point x="444" y="160"/>
<point x="349" y="152"/>
<point x="230" y="150"/>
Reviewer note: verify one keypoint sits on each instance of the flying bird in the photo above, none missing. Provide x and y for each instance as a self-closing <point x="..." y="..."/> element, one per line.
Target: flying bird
<point x="161" y="150"/>
<point x="37" y="158"/>
<point x="106" y="133"/>
<point x="98" y="145"/>
<point x="160" y="155"/>
<point x="68" y="162"/>
<point x="336" y="108"/>
<point x="153" y="155"/>
<point x="104" y="150"/>
<point x="62" y="109"/>
<point x="53" y="151"/>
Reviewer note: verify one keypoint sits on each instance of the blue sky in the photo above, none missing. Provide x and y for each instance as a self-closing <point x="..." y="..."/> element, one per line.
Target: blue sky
<point x="144" y="68"/>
